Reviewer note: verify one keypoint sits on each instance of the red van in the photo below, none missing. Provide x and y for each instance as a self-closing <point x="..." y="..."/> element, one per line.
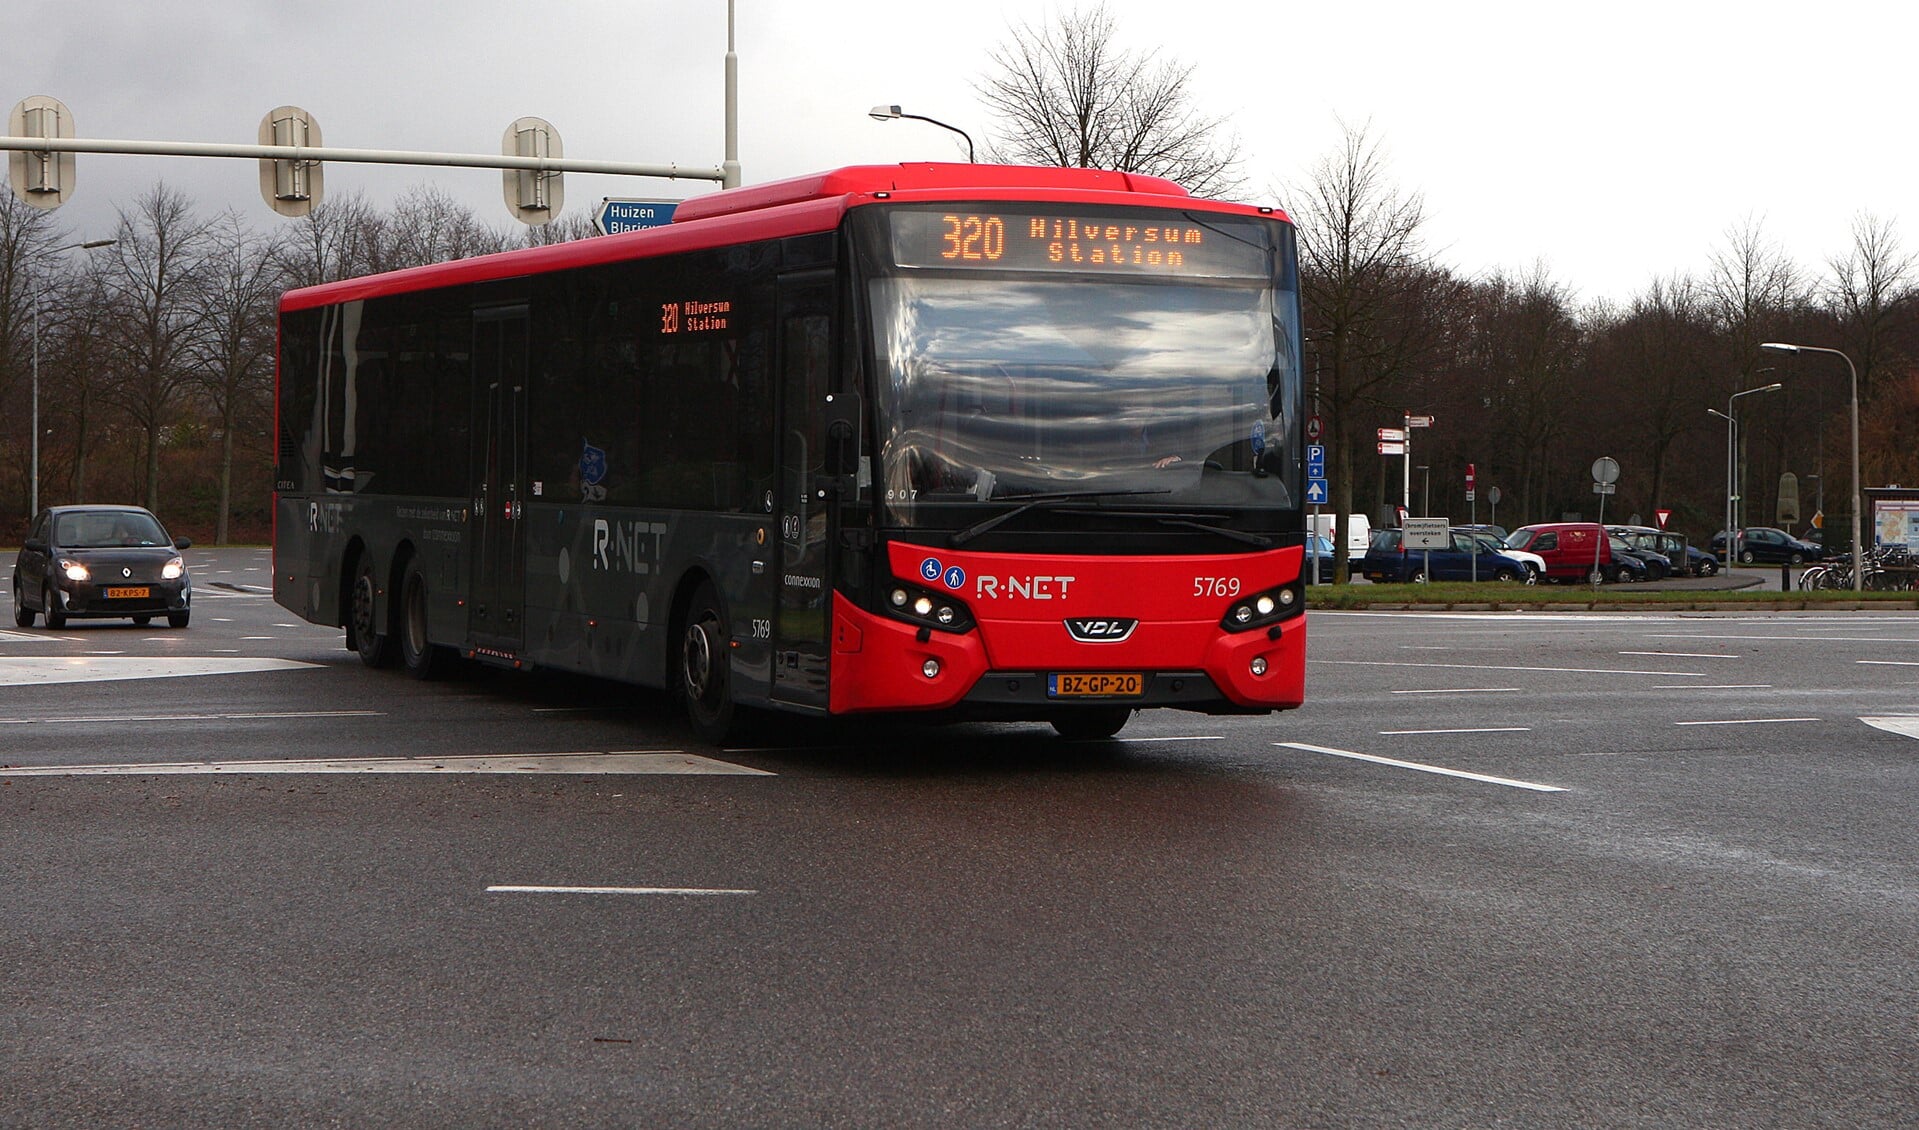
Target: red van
<point x="1572" y="550"/>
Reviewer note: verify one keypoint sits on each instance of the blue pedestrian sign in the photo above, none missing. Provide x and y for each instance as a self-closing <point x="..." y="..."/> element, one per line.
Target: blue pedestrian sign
<point x="1315" y="492"/>
<point x="616" y="216"/>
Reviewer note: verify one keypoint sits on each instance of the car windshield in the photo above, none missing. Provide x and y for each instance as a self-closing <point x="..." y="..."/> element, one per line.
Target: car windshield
<point x="111" y="529"/>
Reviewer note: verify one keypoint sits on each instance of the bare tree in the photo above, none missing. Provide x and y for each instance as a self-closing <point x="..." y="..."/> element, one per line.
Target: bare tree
<point x="1366" y="286"/>
<point x="429" y="226"/>
<point x="26" y="235"/>
<point x="158" y="268"/>
<point x="1873" y="293"/>
<point x="1069" y="95"/>
<point x="232" y="358"/>
<point x="338" y="240"/>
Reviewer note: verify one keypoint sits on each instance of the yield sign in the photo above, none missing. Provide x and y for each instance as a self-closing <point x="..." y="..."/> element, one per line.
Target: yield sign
<point x="1662" y="515"/>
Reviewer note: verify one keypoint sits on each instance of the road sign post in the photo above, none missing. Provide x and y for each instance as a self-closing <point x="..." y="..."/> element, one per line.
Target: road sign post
<point x="1605" y="480"/>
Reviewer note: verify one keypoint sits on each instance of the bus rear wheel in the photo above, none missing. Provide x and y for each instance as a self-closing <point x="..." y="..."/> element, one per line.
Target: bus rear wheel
<point x="1092" y="725"/>
<point x="705" y="669"/>
<point x="363" y="632"/>
<point x="420" y="657"/>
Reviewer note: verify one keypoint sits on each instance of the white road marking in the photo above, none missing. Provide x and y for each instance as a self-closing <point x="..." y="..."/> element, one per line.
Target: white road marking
<point x="116" y="718"/>
<point x="1683" y="654"/>
<point x="39" y="670"/>
<point x="1179" y="738"/>
<point x="1479" y="730"/>
<point x="1745" y="721"/>
<point x="1795" y="639"/>
<point x="1463" y="690"/>
<point x="1903" y="724"/>
<point x="629" y="762"/>
<point x="1509" y="667"/>
<point x="1889" y="662"/>
<point x="1538" y="788"/>
<point x="526" y="890"/>
<point x="1713" y="687"/>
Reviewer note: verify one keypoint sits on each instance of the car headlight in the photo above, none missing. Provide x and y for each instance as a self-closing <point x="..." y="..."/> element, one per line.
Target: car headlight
<point x="75" y="571"/>
<point x="174" y="569"/>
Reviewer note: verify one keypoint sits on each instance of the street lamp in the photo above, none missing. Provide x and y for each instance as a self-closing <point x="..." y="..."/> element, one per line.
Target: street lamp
<point x="888" y="113"/>
<point x="1858" y="576"/>
<point x="1732" y="459"/>
<point x="33" y="295"/>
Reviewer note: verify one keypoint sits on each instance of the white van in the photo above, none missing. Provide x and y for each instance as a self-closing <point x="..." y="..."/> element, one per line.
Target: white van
<point x="1359" y="531"/>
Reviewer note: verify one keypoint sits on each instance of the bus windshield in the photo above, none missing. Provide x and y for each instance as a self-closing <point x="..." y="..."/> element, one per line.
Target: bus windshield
<point x="996" y="385"/>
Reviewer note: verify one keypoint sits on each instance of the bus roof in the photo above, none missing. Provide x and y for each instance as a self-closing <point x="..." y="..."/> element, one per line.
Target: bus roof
<point x="797" y="206"/>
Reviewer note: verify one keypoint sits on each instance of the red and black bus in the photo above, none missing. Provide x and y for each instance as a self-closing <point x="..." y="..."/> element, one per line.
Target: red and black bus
<point x="967" y="441"/>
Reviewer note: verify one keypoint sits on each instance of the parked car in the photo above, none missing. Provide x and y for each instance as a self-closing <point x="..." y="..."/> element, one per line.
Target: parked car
<point x="1321" y="547"/>
<point x="1633" y="564"/>
<point x="100" y="562"/>
<point x="1770" y="544"/>
<point x="1490" y="543"/>
<point x="1386" y="562"/>
<point x="1571" y="550"/>
<point x="1682" y="556"/>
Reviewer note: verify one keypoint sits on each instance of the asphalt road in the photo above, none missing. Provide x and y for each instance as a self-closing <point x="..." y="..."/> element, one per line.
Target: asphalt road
<point x="1554" y="870"/>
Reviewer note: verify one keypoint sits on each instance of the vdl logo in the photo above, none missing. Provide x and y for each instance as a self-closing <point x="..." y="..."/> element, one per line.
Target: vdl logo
<point x="931" y="569"/>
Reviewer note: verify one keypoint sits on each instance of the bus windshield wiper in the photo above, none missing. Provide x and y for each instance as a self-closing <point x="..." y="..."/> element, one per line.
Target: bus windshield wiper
<point x="1259" y="540"/>
<point x="1030" y="501"/>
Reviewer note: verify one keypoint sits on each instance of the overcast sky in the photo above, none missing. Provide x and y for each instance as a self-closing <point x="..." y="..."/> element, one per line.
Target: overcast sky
<point x="1612" y="142"/>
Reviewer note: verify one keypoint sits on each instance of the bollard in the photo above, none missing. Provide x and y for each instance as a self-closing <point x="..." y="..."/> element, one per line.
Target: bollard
<point x="1785" y="576"/>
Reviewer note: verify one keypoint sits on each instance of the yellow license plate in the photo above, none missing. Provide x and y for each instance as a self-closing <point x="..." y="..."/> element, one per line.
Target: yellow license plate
<point x="140" y="593"/>
<point x="1096" y="685"/>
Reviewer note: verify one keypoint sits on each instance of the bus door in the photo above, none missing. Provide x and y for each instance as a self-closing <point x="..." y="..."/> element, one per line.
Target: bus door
<point x="805" y="366"/>
<point x="497" y="547"/>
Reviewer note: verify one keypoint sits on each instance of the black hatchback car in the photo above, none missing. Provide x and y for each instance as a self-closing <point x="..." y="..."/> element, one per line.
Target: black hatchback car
<point x="100" y="562"/>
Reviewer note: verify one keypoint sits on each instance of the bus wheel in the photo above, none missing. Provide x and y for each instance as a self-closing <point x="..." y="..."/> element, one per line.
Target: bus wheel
<point x="1092" y="725"/>
<point x="417" y="653"/>
<point x="363" y="630"/>
<point x="704" y="669"/>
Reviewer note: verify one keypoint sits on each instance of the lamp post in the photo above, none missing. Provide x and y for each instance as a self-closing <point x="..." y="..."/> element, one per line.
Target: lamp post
<point x="33" y="295"/>
<point x="1858" y="576"/>
<point x="888" y="113"/>
<point x="1425" y="489"/>
<point x="1732" y="460"/>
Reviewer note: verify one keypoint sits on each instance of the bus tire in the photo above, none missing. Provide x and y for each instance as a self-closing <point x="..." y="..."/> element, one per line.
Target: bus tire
<point x="363" y="627"/>
<point x="706" y="682"/>
<point x="1092" y="725"/>
<point x="418" y="655"/>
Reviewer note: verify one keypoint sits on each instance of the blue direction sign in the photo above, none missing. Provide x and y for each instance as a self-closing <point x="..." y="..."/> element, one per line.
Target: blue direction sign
<point x="1316" y="460"/>
<point x="1315" y="492"/>
<point x="616" y="216"/>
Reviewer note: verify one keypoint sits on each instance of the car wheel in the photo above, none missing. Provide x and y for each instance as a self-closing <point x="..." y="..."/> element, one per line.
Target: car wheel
<point x="1418" y="577"/>
<point x="56" y="619"/>
<point x="1745" y="556"/>
<point x="179" y="619"/>
<point x="1709" y="567"/>
<point x="1092" y="725"/>
<point x="705" y="669"/>
<point x="364" y="633"/>
<point x="22" y="615"/>
<point x="1532" y="575"/>
<point x="1504" y="574"/>
<point x="417" y="653"/>
<point x="142" y="621"/>
<point x="1798" y="558"/>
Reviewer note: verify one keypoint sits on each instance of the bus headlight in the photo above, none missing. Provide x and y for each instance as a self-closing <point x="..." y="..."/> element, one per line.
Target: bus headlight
<point x="1263" y="608"/>
<point x="928" y="608"/>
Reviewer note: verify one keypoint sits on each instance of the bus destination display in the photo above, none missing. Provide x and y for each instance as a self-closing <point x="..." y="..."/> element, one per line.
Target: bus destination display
<point x="1139" y="244"/>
